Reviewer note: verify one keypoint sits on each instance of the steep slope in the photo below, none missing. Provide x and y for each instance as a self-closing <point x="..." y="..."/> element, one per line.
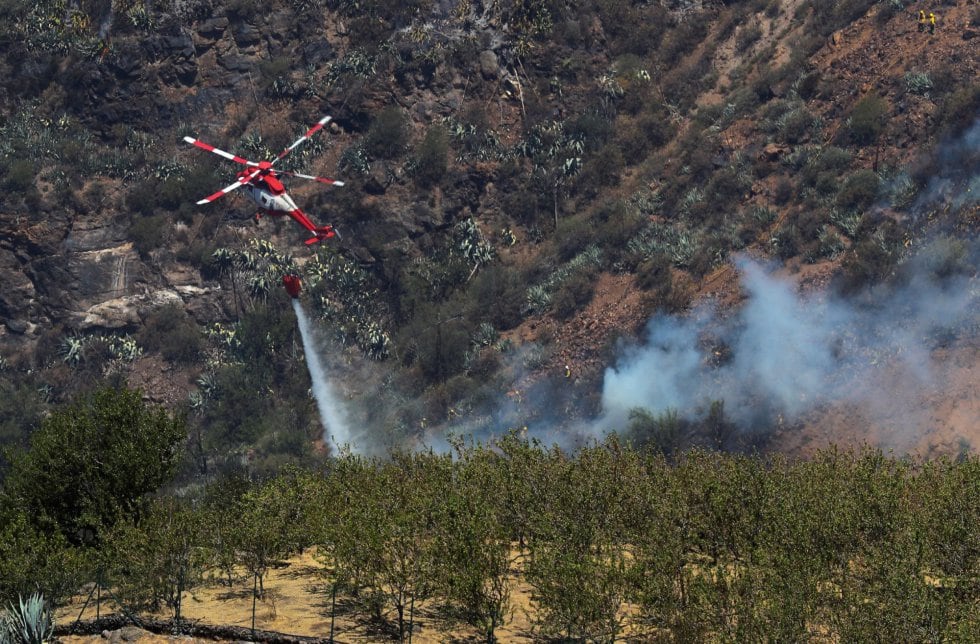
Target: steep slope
<point x="527" y="182"/>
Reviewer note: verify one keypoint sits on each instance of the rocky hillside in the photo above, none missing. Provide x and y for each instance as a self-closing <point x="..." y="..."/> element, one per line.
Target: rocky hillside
<point x="526" y="182"/>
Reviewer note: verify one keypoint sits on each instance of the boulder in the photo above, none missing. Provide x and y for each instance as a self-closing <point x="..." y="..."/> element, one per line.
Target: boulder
<point x="773" y="151"/>
<point x="118" y="313"/>
<point x="317" y="51"/>
<point x="489" y="67"/>
<point x="213" y="27"/>
<point x="247" y="35"/>
<point x="179" y="44"/>
<point x="20" y="327"/>
<point x="235" y="62"/>
<point x="126" y="311"/>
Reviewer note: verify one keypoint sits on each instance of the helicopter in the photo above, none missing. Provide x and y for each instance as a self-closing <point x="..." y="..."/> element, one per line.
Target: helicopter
<point x="262" y="182"/>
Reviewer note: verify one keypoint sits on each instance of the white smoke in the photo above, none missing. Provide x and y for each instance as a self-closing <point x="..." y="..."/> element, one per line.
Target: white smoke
<point x="956" y="181"/>
<point x="333" y="414"/>
<point x="784" y="354"/>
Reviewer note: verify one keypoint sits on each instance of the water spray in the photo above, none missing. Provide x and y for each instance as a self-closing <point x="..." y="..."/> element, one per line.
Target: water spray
<point x="332" y="414"/>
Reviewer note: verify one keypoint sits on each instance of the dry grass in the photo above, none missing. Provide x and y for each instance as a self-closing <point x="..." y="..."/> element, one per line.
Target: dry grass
<point x="297" y="601"/>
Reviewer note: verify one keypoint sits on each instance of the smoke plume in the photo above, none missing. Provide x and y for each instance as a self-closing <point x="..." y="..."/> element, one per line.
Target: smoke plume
<point x="784" y="353"/>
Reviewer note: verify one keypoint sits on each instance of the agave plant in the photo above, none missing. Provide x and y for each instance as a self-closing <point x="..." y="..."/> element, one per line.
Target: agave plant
<point x="28" y="623"/>
<point x="485" y="335"/>
<point x="72" y="349"/>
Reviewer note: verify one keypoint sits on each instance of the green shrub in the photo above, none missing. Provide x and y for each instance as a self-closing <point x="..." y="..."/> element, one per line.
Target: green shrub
<point x="19" y="175"/>
<point x="825" y="166"/>
<point x="615" y="223"/>
<point x="682" y="40"/>
<point x="574" y="293"/>
<point x="828" y="17"/>
<point x="171" y="331"/>
<point x="603" y="169"/>
<point x="859" y="191"/>
<point x="808" y="85"/>
<point x="632" y="28"/>
<point x="148" y="233"/>
<point x="650" y="130"/>
<point x="888" y="10"/>
<point x="783" y="191"/>
<point x="940" y="259"/>
<point x="867" y="120"/>
<point x="429" y="164"/>
<point x="654" y="273"/>
<point x="388" y="134"/>
<point x="483" y="364"/>
<point x="727" y="188"/>
<point x="572" y="236"/>
<point x="786" y="241"/>
<point x="747" y="36"/>
<point x="666" y="433"/>
<point x="697" y="151"/>
<point x="959" y="110"/>
<point x="683" y="84"/>
<point x="499" y="295"/>
<point x="796" y="125"/>
<point x="121" y="451"/>
<point x="33" y="558"/>
<point x="871" y="258"/>
<point x="524" y="206"/>
<point x="830" y="244"/>
<point x="593" y="129"/>
<point x="21" y="409"/>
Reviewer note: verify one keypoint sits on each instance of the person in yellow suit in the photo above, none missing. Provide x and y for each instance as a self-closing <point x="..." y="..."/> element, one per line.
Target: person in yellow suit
<point x="932" y="23"/>
<point x="922" y="20"/>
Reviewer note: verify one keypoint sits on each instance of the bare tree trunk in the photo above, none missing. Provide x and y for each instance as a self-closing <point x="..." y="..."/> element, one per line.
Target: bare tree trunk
<point x="255" y="584"/>
<point x="556" y="205"/>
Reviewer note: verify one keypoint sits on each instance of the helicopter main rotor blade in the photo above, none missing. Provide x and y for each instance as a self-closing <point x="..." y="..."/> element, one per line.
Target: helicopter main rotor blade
<point x="220" y="153"/>
<point x="313" y="130"/>
<point x="227" y="189"/>
<point x="329" y="182"/>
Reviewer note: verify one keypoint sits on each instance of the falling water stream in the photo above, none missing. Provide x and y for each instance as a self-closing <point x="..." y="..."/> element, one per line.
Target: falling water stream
<point x="332" y="414"/>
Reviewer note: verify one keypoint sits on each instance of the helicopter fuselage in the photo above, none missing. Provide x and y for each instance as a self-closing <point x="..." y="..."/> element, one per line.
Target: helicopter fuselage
<point x="270" y="202"/>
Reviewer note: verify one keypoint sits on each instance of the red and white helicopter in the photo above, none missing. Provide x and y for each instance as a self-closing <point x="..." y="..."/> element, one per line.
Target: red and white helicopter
<point x="261" y="180"/>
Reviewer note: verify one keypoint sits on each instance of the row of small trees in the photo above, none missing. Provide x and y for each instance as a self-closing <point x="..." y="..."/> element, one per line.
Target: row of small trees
<point x="611" y="541"/>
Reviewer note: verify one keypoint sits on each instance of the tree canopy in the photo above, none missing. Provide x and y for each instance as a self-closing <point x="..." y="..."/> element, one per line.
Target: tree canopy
<point x="93" y="463"/>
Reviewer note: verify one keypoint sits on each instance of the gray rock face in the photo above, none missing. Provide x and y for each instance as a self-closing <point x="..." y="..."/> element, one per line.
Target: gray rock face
<point x="179" y="44"/>
<point x="317" y="51"/>
<point x="17" y="295"/>
<point x="213" y="27"/>
<point x="234" y="62"/>
<point x="247" y="35"/>
<point x="489" y="67"/>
